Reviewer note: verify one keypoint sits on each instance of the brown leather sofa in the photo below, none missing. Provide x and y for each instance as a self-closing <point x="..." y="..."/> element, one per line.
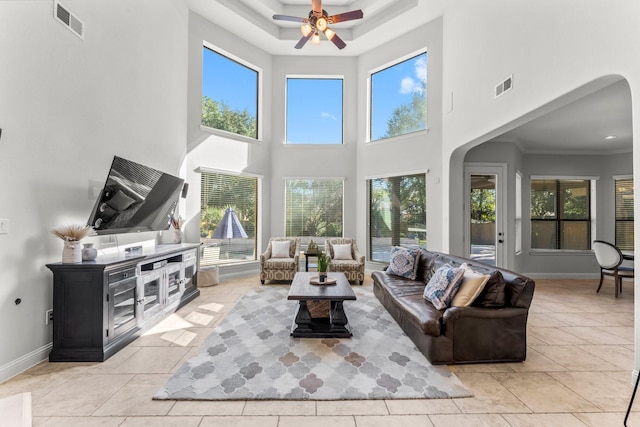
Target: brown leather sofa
<point x="459" y="334"/>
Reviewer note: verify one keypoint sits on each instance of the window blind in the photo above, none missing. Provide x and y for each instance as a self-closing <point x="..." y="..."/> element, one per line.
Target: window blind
<point x="624" y="213"/>
<point x="313" y="208"/>
<point x="219" y="192"/>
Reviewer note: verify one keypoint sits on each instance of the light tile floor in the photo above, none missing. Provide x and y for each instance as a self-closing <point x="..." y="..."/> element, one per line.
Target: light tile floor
<point x="577" y="373"/>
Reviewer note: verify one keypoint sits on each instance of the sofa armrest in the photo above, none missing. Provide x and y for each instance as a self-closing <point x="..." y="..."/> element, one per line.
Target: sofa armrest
<point x="358" y="256"/>
<point x="452" y="314"/>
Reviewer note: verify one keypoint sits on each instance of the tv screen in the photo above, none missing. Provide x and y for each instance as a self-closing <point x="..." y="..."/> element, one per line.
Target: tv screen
<point x="135" y="198"/>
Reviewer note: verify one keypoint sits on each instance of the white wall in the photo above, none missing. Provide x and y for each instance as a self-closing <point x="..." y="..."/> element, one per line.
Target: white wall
<point x="214" y="151"/>
<point x="67" y="107"/>
<point x="413" y="153"/>
<point x="310" y="161"/>
<point x="551" y="47"/>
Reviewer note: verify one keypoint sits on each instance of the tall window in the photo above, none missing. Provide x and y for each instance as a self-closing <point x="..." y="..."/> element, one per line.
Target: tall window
<point x="228" y="218"/>
<point x="624" y="213"/>
<point x="229" y="94"/>
<point x="561" y="214"/>
<point x="313" y="208"/>
<point x="314" y="110"/>
<point x="397" y="214"/>
<point x="399" y="98"/>
<point x="518" y="218"/>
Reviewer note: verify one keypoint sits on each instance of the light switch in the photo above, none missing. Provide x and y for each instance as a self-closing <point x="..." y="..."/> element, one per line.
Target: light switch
<point x="4" y="226"/>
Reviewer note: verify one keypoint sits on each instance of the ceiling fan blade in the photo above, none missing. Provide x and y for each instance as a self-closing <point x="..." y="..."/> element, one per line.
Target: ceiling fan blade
<point x="304" y="40"/>
<point x="290" y="18"/>
<point x="338" y="41"/>
<point x="316" y="6"/>
<point x="347" y="16"/>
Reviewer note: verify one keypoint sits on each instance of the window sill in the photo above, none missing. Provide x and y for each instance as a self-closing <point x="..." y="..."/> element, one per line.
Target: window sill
<point x="560" y="252"/>
<point x="229" y="135"/>
<point x="398" y="137"/>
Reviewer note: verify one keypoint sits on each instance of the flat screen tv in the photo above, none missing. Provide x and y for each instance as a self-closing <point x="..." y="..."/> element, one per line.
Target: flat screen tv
<point x="135" y="198"/>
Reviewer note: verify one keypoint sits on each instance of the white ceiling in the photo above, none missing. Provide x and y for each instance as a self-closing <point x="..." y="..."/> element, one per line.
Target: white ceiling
<point x="577" y="127"/>
<point x="581" y="126"/>
<point x="383" y="20"/>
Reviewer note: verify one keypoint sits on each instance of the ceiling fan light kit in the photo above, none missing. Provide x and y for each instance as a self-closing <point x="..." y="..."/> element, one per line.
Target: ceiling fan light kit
<point x="318" y="22"/>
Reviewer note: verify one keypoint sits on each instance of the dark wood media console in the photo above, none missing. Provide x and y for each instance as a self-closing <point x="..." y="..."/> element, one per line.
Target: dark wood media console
<point x="101" y="306"/>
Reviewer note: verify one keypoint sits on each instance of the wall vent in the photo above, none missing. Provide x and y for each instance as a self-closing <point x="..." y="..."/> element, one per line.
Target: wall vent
<point x="68" y="19"/>
<point x="504" y="86"/>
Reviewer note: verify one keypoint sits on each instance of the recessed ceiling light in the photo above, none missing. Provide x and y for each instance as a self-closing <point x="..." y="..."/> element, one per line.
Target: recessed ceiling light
<point x="610" y="137"/>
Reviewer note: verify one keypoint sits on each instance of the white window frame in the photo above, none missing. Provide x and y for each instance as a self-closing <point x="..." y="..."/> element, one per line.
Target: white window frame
<point x="370" y="96"/>
<point x="260" y="89"/>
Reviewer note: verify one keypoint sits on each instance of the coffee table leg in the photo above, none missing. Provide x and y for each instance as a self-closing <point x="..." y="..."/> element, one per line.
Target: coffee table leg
<point x="303" y="319"/>
<point x="338" y="318"/>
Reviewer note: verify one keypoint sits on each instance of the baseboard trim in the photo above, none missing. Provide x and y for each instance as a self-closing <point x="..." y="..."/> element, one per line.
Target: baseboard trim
<point x="562" y="275"/>
<point x="24" y="362"/>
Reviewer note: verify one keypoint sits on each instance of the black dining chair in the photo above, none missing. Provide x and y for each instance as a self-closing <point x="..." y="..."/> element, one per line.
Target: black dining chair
<point x="610" y="259"/>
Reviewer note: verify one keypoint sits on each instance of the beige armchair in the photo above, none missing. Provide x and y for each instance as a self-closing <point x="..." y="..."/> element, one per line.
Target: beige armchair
<point x="278" y="263"/>
<point x="345" y="259"/>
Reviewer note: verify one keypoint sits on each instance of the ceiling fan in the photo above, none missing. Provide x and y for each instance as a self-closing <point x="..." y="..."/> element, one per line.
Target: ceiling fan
<point x="318" y="22"/>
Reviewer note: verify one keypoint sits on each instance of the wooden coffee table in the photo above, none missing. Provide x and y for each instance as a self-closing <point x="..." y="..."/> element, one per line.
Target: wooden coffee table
<point x="320" y="311"/>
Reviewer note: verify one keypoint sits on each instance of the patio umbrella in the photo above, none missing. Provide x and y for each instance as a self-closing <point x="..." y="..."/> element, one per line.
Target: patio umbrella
<point x="229" y="228"/>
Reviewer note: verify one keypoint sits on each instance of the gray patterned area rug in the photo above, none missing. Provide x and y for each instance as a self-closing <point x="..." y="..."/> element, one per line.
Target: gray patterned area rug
<point x="250" y="355"/>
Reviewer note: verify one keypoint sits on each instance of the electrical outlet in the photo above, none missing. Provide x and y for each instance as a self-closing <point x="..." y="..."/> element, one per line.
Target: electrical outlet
<point x="48" y="316"/>
<point x="4" y="226"/>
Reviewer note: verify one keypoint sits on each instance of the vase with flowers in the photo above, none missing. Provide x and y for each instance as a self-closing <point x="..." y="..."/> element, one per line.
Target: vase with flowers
<point x="72" y="235"/>
<point x="176" y="224"/>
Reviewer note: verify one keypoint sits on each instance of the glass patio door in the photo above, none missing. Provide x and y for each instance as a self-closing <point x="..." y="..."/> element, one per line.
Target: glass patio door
<point x="485" y="236"/>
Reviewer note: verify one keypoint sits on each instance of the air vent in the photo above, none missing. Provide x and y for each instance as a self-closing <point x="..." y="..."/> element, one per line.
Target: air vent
<point x="69" y="20"/>
<point x="504" y="86"/>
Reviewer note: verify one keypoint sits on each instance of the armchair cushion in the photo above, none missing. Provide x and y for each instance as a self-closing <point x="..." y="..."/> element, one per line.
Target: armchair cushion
<point x="280" y="249"/>
<point x="342" y="252"/>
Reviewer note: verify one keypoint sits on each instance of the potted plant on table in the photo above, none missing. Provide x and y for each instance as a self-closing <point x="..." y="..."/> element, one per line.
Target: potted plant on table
<point x="323" y="264"/>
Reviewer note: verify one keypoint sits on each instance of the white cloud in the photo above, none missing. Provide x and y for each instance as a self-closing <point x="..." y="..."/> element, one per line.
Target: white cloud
<point x="409" y="85"/>
<point x="421" y="69"/>
<point x="327" y="116"/>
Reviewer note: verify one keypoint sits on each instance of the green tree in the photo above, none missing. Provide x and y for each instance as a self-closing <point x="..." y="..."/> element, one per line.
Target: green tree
<point x="409" y="117"/>
<point x="483" y="205"/>
<point x="218" y="115"/>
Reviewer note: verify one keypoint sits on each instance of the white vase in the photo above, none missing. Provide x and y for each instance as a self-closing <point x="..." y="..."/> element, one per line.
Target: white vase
<point x="71" y="252"/>
<point x="89" y="253"/>
<point x="177" y="236"/>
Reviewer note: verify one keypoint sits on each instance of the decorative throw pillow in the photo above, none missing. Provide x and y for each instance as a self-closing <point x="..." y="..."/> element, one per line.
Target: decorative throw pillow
<point x="342" y="251"/>
<point x="280" y="249"/>
<point x="120" y="201"/>
<point x="493" y="294"/>
<point x="404" y="262"/>
<point x="443" y="286"/>
<point x="471" y="286"/>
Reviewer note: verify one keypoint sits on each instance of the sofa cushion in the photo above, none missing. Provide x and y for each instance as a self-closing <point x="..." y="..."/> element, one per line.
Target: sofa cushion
<point x="280" y="249"/>
<point x="404" y="262"/>
<point x="471" y="286"/>
<point x="443" y="286"/>
<point x="342" y="251"/>
<point x="403" y="298"/>
<point x="493" y="294"/>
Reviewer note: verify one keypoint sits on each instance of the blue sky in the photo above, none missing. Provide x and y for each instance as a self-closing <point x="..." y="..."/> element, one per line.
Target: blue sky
<point x="314" y="111"/>
<point x="392" y="87"/>
<point x="314" y="106"/>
